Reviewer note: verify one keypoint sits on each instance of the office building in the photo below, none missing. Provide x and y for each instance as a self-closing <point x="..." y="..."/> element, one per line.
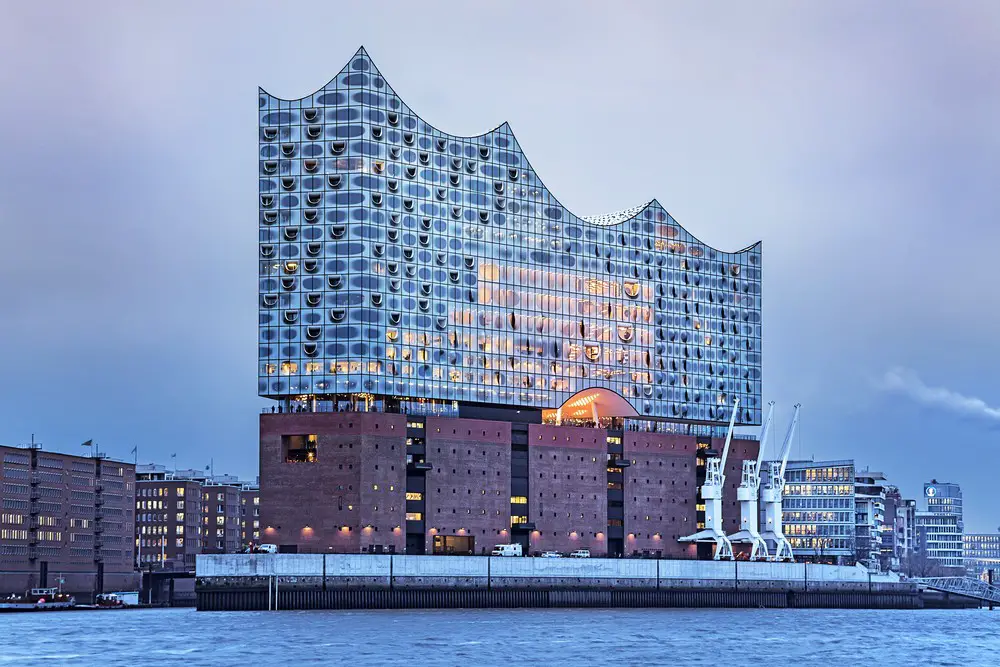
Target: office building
<point x="221" y="521"/>
<point x="65" y="521"/>
<point x="470" y="357"/>
<point x="818" y="510"/>
<point x="940" y="528"/>
<point x="168" y="519"/>
<point x="906" y="512"/>
<point x="249" y="514"/>
<point x="182" y="513"/>
<point x="869" y="513"/>
<point x="898" y="530"/>
<point x="981" y="552"/>
<point x="944" y="498"/>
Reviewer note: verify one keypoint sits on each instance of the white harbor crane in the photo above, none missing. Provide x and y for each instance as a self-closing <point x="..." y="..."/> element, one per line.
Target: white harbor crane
<point x="771" y="494"/>
<point x="711" y="494"/>
<point x="747" y="494"/>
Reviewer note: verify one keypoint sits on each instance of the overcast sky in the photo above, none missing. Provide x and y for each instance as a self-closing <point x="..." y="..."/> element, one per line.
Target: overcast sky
<point x="859" y="141"/>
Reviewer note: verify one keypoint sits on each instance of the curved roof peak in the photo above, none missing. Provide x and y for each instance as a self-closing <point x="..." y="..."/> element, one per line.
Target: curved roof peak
<point x="361" y="69"/>
<point x="618" y="216"/>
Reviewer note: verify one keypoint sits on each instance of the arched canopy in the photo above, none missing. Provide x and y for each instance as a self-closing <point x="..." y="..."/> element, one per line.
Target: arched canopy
<point x="593" y="402"/>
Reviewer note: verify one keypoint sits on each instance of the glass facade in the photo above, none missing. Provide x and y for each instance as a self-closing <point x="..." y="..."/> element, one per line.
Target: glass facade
<point x="818" y="510"/>
<point x="941" y="526"/>
<point x="402" y="263"/>
<point x="981" y="552"/>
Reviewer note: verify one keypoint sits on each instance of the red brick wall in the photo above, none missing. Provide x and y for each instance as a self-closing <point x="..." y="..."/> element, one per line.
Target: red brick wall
<point x="468" y="491"/>
<point x="738" y="451"/>
<point x="310" y="504"/>
<point x="660" y="484"/>
<point x="66" y="486"/>
<point x="383" y="488"/>
<point x="567" y="478"/>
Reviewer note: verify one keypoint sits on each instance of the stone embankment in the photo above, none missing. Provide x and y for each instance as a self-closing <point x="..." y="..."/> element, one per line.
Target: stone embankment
<point x="344" y="581"/>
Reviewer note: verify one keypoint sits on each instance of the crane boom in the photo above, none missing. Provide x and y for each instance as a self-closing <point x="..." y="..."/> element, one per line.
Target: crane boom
<point x="764" y="432"/>
<point x="729" y="433"/>
<point x="786" y="447"/>
<point x="771" y="494"/>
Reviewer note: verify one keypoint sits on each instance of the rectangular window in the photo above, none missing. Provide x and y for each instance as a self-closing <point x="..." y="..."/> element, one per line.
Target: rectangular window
<point x="414" y="495"/>
<point x="414" y="516"/>
<point x="299" y="448"/>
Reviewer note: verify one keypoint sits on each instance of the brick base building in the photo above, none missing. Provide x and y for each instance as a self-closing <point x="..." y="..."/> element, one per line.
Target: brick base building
<point x="66" y="521"/>
<point x="349" y="482"/>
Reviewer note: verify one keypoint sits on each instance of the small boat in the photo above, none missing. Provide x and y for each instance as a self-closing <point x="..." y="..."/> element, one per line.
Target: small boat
<point x="118" y="600"/>
<point x="38" y="599"/>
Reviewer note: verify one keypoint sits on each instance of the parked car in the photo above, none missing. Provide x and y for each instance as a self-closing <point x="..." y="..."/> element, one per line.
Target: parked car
<point x="551" y="554"/>
<point x="506" y="550"/>
<point x="266" y="549"/>
<point x="580" y="553"/>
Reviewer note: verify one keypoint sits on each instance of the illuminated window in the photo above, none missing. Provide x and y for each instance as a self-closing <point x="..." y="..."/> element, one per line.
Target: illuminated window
<point x="414" y="495"/>
<point x="414" y="516"/>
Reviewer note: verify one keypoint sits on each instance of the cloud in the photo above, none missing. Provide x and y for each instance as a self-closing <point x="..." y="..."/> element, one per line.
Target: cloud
<point x="906" y="381"/>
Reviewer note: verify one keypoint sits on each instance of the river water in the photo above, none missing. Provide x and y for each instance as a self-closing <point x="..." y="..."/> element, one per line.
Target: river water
<point x="497" y="638"/>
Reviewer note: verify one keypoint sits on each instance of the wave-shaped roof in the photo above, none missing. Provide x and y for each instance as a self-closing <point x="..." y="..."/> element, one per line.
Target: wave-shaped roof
<point x="361" y="71"/>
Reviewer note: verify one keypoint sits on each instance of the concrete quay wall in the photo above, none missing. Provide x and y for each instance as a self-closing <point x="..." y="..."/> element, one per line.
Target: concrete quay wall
<point x="302" y="572"/>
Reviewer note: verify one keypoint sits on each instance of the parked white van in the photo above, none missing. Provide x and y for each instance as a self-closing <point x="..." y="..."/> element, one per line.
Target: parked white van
<point x="506" y="550"/>
<point x="580" y="553"/>
<point x="266" y="548"/>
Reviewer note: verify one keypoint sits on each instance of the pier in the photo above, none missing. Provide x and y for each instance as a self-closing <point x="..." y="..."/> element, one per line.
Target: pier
<point x="342" y="581"/>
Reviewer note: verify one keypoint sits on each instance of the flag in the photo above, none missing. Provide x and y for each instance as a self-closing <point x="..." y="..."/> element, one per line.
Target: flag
<point x="134" y="449"/>
<point x="88" y="443"/>
<point x="173" y="456"/>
